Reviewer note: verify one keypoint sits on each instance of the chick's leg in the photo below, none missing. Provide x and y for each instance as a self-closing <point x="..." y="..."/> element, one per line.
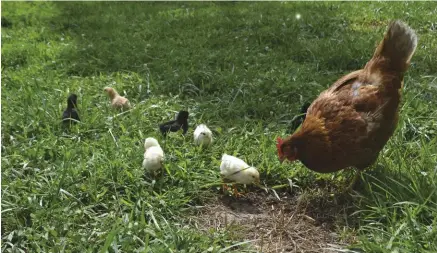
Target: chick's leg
<point x="236" y="193"/>
<point x="225" y="187"/>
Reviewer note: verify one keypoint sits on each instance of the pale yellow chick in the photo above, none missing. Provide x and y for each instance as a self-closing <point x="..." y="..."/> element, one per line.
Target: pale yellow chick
<point x="235" y="170"/>
<point x="202" y="135"/>
<point x="153" y="155"/>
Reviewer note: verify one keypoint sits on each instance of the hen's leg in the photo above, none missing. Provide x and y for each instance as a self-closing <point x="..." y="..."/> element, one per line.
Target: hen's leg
<point x="354" y="180"/>
<point x="360" y="168"/>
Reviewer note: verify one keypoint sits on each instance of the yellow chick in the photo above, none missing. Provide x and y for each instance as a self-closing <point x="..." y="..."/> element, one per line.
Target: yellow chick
<point x="117" y="101"/>
<point x="233" y="169"/>
<point x="153" y="155"/>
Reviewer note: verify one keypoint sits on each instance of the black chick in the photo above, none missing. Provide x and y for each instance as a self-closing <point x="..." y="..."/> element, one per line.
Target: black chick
<point x="298" y="120"/>
<point x="175" y="125"/>
<point x="70" y="114"/>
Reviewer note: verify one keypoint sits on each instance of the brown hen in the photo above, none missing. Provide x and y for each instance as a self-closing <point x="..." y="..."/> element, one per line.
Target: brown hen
<point x="350" y="122"/>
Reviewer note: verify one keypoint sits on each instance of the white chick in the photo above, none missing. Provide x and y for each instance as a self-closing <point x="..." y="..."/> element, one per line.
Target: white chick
<point x="153" y="155"/>
<point x="202" y="135"/>
<point x="233" y="169"/>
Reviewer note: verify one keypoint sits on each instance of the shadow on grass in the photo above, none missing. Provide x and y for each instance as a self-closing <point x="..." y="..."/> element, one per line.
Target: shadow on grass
<point x="235" y="52"/>
<point x="213" y="46"/>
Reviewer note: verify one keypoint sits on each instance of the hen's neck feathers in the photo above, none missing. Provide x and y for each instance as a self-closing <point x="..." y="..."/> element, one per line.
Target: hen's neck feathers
<point x="312" y="134"/>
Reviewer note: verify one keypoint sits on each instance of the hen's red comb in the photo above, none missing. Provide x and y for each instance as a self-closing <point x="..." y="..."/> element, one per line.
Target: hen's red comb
<point x="278" y="145"/>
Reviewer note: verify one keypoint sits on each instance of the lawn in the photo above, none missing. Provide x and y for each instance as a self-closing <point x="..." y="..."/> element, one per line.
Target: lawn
<point x="244" y="69"/>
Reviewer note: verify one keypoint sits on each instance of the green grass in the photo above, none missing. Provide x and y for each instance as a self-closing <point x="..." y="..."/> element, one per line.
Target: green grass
<point x="242" y="68"/>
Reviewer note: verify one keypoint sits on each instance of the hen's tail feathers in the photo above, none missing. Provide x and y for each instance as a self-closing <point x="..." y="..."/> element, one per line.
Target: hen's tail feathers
<point x="397" y="47"/>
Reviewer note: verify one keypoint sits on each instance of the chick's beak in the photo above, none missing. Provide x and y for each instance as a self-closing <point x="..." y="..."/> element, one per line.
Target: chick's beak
<point x="257" y="182"/>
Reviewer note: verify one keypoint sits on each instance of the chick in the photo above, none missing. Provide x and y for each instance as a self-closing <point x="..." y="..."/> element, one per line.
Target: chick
<point x="202" y="135"/>
<point x="153" y="155"/>
<point x="70" y="115"/>
<point x="175" y="125"/>
<point x="117" y="101"/>
<point x="233" y="169"/>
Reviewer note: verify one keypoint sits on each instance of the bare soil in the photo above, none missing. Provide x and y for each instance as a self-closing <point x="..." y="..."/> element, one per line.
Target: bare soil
<point x="309" y="222"/>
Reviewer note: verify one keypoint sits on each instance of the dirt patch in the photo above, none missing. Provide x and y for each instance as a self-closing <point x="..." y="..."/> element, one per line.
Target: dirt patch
<point x="301" y="223"/>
